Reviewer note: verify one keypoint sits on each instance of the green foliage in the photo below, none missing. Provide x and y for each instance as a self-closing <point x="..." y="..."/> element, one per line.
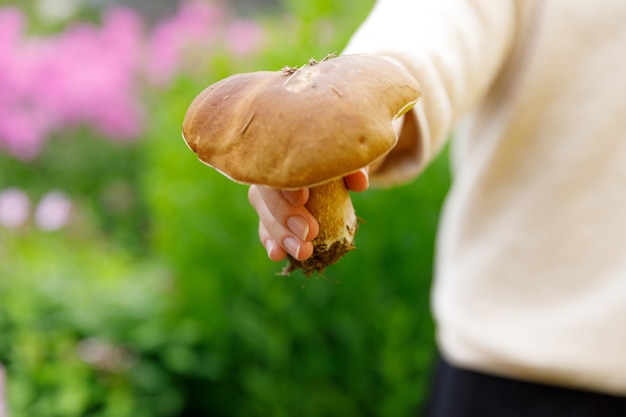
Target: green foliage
<point x="175" y="295"/>
<point x="311" y="29"/>
<point x="76" y="329"/>
<point x="100" y="175"/>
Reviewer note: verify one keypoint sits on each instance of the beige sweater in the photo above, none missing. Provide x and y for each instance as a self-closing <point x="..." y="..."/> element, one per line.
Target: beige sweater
<point x="531" y="264"/>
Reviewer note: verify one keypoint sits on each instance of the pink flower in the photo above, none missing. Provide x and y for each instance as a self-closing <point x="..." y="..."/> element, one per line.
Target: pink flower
<point x="195" y="27"/>
<point x="22" y="128"/>
<point x="86" y="75"/>
<point x="53" y="211"/>
<point x="103" y="355"/>
<point x="91" y="75"/>
<point x="11" y="29"/>
<point x="244" y="36"/>
<point x="14" y="208"/>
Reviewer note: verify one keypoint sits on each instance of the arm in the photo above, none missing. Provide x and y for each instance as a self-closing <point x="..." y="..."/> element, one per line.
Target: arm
<point x="454" y="48"/>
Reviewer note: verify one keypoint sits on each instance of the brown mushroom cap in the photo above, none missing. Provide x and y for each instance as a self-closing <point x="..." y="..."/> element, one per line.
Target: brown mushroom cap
<point x="300" y="127"/>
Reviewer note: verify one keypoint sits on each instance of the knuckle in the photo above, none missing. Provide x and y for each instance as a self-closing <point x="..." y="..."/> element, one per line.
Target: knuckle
<point x="275" y="203"/>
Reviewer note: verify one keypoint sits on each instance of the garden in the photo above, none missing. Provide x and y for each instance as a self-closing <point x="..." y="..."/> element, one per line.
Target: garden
<point x="132" y="281"/>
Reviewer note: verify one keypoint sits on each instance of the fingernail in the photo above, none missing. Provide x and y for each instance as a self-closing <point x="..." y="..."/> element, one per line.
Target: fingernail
<point x="292" y="246"/>
<point x="298" y="227"/>
<point x="366" y="173"/>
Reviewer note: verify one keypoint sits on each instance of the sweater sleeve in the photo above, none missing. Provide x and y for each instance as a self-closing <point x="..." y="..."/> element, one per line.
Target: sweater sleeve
<point x="454" y="48"/>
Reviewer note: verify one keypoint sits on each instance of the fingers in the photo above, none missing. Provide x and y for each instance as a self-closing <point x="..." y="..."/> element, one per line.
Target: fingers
<point x="296" y="198"/>
<point x="358" y="181"/>
<point x="274" y="252"/>
<point x="285" y="225"/>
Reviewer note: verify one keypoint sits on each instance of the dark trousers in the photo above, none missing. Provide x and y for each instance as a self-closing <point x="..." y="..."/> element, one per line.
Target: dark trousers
<point x="463" y="393"/>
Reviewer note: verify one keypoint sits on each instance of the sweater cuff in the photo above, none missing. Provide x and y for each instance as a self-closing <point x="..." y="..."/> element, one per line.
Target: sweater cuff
<point x="410" y="155"/>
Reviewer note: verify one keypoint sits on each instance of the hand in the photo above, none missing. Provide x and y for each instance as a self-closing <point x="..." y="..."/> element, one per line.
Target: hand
<point x="285" y="225"/>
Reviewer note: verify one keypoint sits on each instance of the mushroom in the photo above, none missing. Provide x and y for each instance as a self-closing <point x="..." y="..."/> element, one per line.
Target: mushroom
<point x="304" y="127"/>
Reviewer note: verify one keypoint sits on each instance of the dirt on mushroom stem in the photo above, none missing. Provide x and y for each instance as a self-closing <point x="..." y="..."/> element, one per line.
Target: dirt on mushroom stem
<point x="331" y="205"/>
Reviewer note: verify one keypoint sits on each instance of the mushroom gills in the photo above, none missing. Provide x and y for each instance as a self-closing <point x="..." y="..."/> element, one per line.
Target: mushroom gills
<point x="331" y="205"/>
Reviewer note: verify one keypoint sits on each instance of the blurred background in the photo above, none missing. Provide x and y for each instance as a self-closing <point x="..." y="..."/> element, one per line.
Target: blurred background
<point x="132" y="282"/>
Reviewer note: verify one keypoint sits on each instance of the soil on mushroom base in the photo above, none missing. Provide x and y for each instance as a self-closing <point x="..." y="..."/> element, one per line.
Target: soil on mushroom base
<point x="322" y="257"/>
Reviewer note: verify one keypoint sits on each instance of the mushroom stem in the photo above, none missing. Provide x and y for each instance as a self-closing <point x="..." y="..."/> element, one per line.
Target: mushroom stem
<point x="331" y="205"/>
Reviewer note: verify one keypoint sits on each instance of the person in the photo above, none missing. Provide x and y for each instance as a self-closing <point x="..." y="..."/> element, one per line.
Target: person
<point x="529" y="295"/>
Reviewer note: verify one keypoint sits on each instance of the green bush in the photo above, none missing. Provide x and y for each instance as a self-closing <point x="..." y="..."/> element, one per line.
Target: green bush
<point x="77" y="328"/>
<point x="355" y="341"/>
